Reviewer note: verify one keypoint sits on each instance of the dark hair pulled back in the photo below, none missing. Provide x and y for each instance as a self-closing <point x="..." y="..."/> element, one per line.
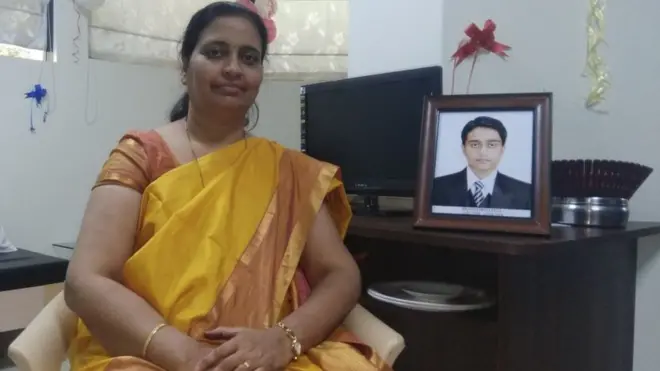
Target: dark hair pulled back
<point x="198" y="23"/>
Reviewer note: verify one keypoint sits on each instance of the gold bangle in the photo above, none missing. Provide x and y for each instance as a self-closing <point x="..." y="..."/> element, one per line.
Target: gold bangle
<point x="296" y="347"/>
<point x="149" y="338"/>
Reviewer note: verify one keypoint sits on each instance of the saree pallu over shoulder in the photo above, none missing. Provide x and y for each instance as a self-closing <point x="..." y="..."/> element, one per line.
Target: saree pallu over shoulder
<point x="227" y="254"/>
<point x="138" y="159"/>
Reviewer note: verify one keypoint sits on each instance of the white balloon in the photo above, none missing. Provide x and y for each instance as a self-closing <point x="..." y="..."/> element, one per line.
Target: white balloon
<point x="89" y="5"/>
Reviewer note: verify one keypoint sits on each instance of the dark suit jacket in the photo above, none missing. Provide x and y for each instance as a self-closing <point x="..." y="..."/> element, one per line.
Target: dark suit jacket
<point x="508" y="192"/>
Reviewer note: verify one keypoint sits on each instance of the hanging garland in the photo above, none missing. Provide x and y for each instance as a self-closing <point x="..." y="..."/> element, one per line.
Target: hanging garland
<point x="595" y="68"/>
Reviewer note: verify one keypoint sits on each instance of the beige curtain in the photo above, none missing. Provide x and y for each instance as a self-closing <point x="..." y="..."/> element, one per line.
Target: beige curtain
<point x="312" y="36"/>
<point x="22" y="23"/>
<point x="311" y="33"/>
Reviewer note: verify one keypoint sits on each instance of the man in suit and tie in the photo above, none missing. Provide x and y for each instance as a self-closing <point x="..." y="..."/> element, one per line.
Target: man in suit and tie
<point x="480" y="184"/>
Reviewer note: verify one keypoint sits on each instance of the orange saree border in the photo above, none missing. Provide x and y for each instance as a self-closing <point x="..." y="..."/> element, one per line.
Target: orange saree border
<point x="138" y="159"/>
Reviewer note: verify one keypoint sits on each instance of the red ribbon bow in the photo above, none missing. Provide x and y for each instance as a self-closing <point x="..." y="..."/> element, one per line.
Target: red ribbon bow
<point x="479" y="40"/>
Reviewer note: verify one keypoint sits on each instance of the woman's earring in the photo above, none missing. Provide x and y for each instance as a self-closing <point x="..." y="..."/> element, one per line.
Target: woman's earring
<point x="251" y="125"/>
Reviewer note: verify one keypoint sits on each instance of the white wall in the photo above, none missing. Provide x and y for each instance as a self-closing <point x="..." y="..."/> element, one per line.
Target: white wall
<point x="378" y="44"/>
<point x="548" y="50"/>
<point x="45" y="177"/>
<point x="279" y="106"/>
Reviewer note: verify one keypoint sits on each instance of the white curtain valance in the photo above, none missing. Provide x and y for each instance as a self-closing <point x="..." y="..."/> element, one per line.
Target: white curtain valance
<point x="312" y="34"/>
<point x="22" y="23"/>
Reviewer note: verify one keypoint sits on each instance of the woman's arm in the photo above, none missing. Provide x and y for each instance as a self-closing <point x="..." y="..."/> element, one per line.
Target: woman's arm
<point x="335" y="280"/>
<point x="118" y="318"/>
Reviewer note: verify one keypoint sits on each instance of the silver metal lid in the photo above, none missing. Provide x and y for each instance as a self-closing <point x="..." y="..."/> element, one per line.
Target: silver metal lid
<point x="600" y="201"/>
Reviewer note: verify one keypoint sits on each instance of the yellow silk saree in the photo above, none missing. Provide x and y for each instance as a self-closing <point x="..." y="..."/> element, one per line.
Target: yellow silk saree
<point x="227" y="254"/>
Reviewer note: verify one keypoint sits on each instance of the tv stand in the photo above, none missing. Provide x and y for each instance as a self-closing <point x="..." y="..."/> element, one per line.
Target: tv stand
<point x="369" y="206"/>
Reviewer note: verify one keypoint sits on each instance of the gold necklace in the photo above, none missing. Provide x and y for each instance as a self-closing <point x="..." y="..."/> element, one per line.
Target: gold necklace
<point x="192" y="151"/>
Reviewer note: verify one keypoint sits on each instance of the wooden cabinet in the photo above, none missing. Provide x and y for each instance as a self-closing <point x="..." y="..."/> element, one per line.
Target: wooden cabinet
<point x="564" y="302"/>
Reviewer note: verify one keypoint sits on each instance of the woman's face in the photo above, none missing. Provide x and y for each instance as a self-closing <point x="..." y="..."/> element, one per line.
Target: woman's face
<point x="225" y="69"/>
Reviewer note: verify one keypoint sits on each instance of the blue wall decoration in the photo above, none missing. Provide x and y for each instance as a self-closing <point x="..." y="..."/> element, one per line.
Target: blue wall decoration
<point x="38" y="94"/>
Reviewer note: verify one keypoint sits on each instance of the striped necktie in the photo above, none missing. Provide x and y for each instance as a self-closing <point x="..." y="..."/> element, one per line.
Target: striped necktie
<point x="478" y="194"/>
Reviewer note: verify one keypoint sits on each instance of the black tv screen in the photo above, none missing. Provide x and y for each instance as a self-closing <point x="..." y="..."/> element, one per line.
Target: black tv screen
<point x="370" y="127"/>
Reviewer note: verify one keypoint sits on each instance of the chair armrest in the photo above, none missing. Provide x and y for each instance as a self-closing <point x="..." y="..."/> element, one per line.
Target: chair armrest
<point x="387" y="343"/>
<point x="42" y="346"/>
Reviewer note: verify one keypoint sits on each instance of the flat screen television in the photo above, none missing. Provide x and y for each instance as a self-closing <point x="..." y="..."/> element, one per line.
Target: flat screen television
<point x="370" y="127"/>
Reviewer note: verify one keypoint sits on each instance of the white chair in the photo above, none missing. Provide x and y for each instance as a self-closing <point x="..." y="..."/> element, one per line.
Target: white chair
<point x="42" y="346"/>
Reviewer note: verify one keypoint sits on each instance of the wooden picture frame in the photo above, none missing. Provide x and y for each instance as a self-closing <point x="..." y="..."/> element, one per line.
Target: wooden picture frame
<point x="478" y="133"/>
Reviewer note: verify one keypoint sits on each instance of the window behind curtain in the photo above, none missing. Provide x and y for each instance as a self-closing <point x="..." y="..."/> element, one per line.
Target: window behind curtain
<point x="26" y="28"/>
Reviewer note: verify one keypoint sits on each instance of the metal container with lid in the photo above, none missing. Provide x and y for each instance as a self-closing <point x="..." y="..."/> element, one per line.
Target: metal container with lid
<point x="604" y="212"/>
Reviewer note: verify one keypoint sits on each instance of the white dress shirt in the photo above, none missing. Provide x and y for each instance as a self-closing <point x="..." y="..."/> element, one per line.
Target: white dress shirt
<point x="488" y="182"/>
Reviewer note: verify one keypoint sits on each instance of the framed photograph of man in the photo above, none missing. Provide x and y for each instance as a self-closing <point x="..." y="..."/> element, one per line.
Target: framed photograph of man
<point x="485" y="163"/>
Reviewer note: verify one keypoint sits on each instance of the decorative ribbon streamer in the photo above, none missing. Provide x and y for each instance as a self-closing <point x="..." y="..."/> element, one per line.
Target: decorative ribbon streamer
<point x="595" y="68"/>
<point x="39" y="95"/>
<point x="271" y="9"/>
<point x="479" y="41"/>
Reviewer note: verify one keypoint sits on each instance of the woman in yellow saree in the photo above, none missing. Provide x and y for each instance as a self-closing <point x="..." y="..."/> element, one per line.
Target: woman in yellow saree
<point x="205" y="249"/>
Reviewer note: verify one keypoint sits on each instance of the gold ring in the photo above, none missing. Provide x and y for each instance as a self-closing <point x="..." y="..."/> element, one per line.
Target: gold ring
<point x="246" y="364"/>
